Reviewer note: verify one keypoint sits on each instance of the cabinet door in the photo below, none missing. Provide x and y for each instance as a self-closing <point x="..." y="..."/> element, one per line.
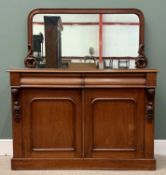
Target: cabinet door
<point x="51" y="122"/>
<point x="114" y="123"/>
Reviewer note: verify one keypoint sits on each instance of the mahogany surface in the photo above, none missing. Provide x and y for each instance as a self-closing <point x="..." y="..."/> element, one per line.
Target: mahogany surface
<point x="83" y="118"/>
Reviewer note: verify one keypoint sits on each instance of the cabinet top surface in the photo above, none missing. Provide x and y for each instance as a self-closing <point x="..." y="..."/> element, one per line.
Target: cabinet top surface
<point x="80" y="68"/>
<point x="43" y="70"/>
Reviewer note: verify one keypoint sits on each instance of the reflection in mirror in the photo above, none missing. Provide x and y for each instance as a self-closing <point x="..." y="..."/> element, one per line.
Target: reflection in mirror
<point x="77" y="38"/>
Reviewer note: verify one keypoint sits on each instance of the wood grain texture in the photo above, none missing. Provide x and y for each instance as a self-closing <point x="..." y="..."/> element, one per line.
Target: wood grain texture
<point x="52" y="123"/>
<point x="83" y="120"/>
<point x="79" y="68"/>
<point x="113" y="122"/>
<point x="91" y="164"/>
<point x="81" y="76"/>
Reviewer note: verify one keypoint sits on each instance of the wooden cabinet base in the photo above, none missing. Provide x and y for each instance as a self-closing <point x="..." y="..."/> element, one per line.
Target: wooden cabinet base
<point x="100" y="164"/>
<point x="101" y="119"/>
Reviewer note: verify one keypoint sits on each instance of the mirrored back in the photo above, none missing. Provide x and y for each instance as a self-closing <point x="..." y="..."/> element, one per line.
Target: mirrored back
<point x="86" y="35"/>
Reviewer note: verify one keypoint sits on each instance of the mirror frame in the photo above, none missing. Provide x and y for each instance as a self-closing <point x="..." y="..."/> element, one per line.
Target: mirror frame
<point x="141" y="61"/>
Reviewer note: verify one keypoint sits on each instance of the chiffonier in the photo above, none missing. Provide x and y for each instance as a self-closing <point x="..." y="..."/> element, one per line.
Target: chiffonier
<point x="75" y="115"/>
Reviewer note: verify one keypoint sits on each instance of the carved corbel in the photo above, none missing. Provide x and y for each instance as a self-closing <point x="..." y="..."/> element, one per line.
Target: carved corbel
<point x="150" y="103"/>
<point x="30" y="60"/>
<point x="16" y="105"/>
<point x="141" y="61"/>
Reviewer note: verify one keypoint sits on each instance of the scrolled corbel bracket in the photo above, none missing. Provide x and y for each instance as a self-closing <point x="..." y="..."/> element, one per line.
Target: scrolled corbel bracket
<point x="16" y="104"/>
<point x="141" y="61"/>
<point x="30" y="61"/>
<point x="150" y="103"/>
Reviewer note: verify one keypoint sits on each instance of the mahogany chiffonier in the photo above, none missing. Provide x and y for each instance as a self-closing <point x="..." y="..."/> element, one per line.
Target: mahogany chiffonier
<point x="83" y="119"/>
<point x="74" y="109"/>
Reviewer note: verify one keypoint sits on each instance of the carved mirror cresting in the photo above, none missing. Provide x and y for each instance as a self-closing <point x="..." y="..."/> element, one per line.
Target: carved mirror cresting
<point x="105" y="38"/>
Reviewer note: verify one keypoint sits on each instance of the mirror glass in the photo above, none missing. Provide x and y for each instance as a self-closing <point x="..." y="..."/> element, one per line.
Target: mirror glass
<point x="85" y="36"/>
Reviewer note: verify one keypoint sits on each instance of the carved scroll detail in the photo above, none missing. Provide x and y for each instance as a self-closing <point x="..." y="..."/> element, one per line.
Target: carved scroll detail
<point x="141" y="61"/>
<point x="30" y="61"/>
<point x="150" y="103"/>
<point x="16" y="105"/>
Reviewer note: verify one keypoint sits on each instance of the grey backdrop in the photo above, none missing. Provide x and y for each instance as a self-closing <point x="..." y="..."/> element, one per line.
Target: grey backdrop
<point x="13" y="46"/>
